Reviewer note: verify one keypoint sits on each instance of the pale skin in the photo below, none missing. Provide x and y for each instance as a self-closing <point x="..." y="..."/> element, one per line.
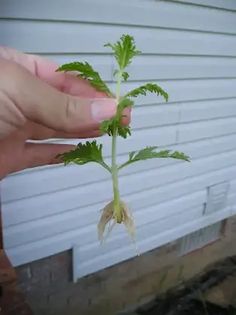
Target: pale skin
<point x="37" y="103"/>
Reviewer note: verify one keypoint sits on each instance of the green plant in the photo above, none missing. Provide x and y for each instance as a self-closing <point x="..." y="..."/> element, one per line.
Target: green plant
<point x="116" y="211"/>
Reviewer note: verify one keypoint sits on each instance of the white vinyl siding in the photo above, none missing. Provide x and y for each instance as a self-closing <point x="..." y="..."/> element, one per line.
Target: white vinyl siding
<point x="189" y="48"/>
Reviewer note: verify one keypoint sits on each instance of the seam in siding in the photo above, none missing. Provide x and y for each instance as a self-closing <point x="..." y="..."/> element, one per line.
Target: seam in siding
<point x="191" y="101"/>
<point x="180" y="79"/>
<point x="118" y="24"/>
<point x="143" y="54"/>
<point x="195" y="4"/>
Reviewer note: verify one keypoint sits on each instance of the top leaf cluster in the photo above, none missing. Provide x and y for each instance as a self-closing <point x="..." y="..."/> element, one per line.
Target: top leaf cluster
<point x="123" y="50"/>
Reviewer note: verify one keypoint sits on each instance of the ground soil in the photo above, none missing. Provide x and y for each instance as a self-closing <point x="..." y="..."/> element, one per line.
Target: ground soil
<point x="212" y="293"/>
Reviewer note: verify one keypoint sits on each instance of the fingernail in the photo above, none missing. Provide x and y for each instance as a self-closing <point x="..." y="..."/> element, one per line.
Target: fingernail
<point x="126" y="112"/>
<point x="103" y="109"/>
<point x="126" y="116"/>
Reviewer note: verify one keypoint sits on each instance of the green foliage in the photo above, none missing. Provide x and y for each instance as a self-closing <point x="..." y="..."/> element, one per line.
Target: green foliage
<point x="85" y="153"/>
<point x="124" y="103"/>
<point x="124" y="50"/>
<point x="116" y="211"/>
<point x="149" y="87"/>
<point x="125" y="75"/>
<point x="151" y="153"/>
<point x="87" y="72"/>
<point x="114" y="124"/>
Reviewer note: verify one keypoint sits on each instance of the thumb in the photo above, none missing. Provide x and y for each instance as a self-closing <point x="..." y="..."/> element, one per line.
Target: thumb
<point x="39" y="102"/>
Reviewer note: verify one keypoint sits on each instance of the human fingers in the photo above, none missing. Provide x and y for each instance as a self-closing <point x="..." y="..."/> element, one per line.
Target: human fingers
<point x="43" y="154"/>
<point x="26" y="97"/>
<point x="45" y="70"/>
<point x="34" y="131"/>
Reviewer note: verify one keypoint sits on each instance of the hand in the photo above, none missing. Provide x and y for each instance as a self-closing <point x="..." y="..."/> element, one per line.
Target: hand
<point x="38" y="103"/>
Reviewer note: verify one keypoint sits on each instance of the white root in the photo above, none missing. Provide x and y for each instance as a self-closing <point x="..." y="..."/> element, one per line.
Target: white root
<point x="107" y="218"/>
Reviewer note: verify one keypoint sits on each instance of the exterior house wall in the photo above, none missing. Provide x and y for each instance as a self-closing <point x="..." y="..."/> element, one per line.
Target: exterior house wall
<point x="189" y="49"/>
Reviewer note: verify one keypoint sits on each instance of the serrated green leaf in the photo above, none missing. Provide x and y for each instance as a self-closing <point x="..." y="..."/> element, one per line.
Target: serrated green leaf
<point x="149" y="87"/>
<point x="87" y="72"/>
<point x="125" y="75"/>
<point x="108" y="126"/>
<point x="85" y="153"/>
<point x="124" y="50"/>
<point x="124" y="131"/>
<point x="124" y="103"/>
<point x="151" y="153"/>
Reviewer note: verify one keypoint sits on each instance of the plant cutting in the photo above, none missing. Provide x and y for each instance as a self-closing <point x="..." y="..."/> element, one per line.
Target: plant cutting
<point x="116" y="211"/>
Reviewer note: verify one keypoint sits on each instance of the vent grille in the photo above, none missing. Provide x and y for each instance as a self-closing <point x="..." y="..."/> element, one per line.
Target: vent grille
<point x="200" y="238"/>
<point x="216" y="197"/>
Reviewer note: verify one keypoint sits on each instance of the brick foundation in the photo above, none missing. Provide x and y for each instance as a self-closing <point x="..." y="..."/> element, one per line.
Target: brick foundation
<point x="48" y="285"/>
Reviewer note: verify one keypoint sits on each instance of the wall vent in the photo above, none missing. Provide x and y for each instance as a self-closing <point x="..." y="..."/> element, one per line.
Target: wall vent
<point x="200" y="238"/>
<point x="216" y="197"/>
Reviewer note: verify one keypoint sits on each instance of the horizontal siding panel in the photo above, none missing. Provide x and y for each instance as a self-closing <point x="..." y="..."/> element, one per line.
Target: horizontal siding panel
<point x="148" y="67"/>
<point x="207" y="129"/>
<point x="144" y="13"/>
<point x="143" y="217"/>
<point x="40" y="229"/>
<point x="140" y="138"/>
<point x="22" y="35"/>
<point x="57" y="243"/>
<point x="153" y="116"/>
<point x="155" y="217"/>
<point x="185" y="133"/>
<point x="180" y="67"/>
<point x="102" y="64"/>
<point x="187" y="90"/>
<point x="47" y="247"/>
<point x="50" y="179"/>
<point x="155" y="241"/>
<point x="208" y="147"/>
<point x="57" y="178"/>
<point x="45" y="205"/>
<point x="183" y="91"/>
<point x="207" y="110"/>
<point x="188" y="213"/>
<point x="145" y="137"/>
<point x="222" y="4"/>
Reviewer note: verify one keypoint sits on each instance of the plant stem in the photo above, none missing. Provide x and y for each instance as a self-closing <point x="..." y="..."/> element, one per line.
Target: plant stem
<point x="107" y="167"/>
<point x="114" y="168"/>
<point x="116" y="193"/>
